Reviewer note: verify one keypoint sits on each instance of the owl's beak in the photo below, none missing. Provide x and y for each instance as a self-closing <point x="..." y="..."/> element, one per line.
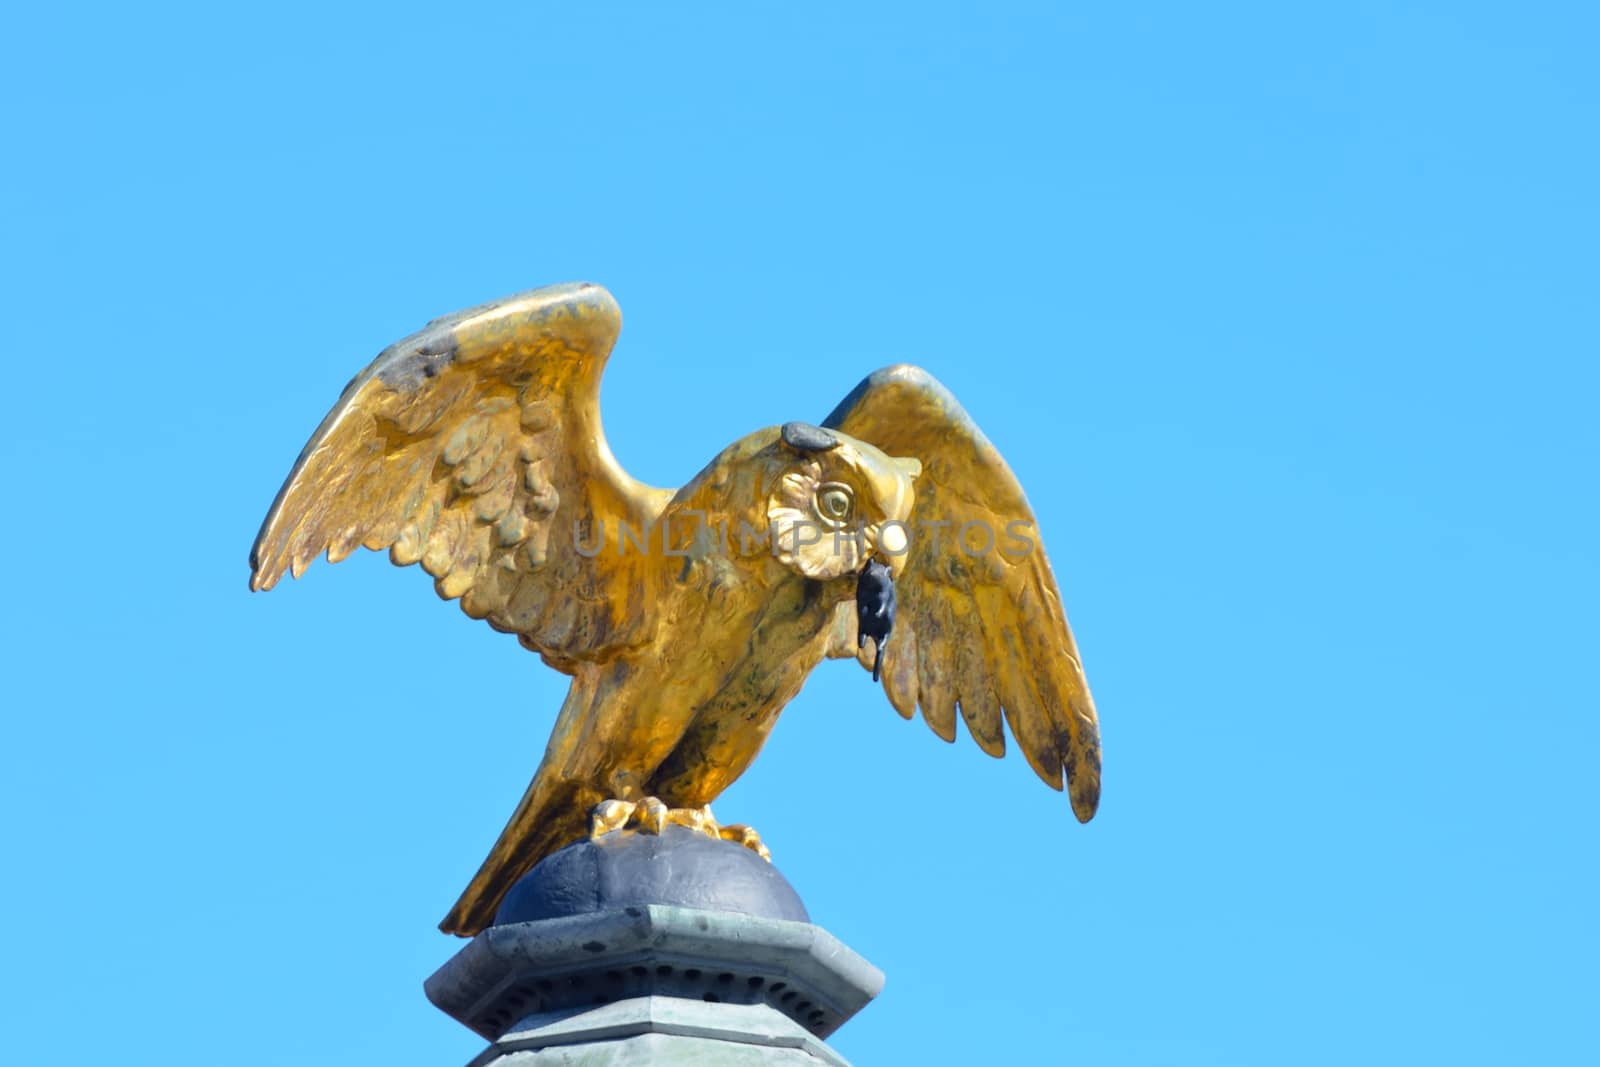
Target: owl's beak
<point x="891" y="547"/>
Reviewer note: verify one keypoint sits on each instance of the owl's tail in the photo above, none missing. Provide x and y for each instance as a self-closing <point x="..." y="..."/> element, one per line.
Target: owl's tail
<point x="552" y="813"/>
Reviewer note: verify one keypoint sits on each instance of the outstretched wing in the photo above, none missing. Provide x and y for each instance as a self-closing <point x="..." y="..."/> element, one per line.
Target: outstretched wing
<point x="475" y="448"/>
<point x="980" y="626"/>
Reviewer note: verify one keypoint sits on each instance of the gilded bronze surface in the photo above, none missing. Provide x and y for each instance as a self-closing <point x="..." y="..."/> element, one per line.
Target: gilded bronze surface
<point x="686" y="619"/>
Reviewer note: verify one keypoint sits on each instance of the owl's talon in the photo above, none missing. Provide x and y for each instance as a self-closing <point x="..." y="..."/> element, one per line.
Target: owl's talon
<point x="746" y="836"/>
<point x="700" y="820"/>
<point x="609" y="815"/>
<point x="651" y="816"/>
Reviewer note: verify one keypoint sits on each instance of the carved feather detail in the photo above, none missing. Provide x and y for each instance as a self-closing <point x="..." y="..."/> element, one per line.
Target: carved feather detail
<point x="982" y="632"/>
<point x="463" y="448"/>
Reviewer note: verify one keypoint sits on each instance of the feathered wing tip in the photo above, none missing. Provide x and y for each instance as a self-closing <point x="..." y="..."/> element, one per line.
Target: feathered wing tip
<point x="984" y="639"/>
<point x="1082" y="764"/>
<point x="469" y="448"/>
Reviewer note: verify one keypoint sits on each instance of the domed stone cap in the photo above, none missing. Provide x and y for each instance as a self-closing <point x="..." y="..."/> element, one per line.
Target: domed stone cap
<point x="628" y="868"/>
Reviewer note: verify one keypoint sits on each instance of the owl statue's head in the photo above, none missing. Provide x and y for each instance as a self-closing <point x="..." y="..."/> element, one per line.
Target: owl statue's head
<point x="836" y="502"/>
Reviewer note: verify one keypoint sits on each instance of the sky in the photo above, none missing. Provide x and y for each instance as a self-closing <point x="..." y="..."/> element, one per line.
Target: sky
<point x="1283" y="315"/>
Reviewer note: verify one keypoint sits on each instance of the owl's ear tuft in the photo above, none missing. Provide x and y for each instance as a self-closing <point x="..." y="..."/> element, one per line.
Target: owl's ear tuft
<point x="804" y="437"/>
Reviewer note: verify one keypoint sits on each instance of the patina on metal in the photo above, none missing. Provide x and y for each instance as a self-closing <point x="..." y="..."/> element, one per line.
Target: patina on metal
<point x="662" y="949"/>
<point x="687" y="619"/>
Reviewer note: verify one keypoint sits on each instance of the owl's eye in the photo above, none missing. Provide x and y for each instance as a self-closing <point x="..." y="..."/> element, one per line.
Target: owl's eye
<point x="835" y="503"/>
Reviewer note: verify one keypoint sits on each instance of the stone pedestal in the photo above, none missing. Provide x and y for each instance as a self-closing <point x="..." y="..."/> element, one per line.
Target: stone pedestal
<point x="644" y="949"/>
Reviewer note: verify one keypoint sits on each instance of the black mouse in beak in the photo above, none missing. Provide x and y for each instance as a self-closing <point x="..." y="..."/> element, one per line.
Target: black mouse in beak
<point x="875" y="609"/>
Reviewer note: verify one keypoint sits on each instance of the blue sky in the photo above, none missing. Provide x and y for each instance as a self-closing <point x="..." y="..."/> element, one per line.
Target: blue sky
<point x="1283" y="314"/>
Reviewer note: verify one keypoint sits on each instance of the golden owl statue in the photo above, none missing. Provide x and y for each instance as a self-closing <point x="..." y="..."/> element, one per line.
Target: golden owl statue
<point x="689" y="618"/>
